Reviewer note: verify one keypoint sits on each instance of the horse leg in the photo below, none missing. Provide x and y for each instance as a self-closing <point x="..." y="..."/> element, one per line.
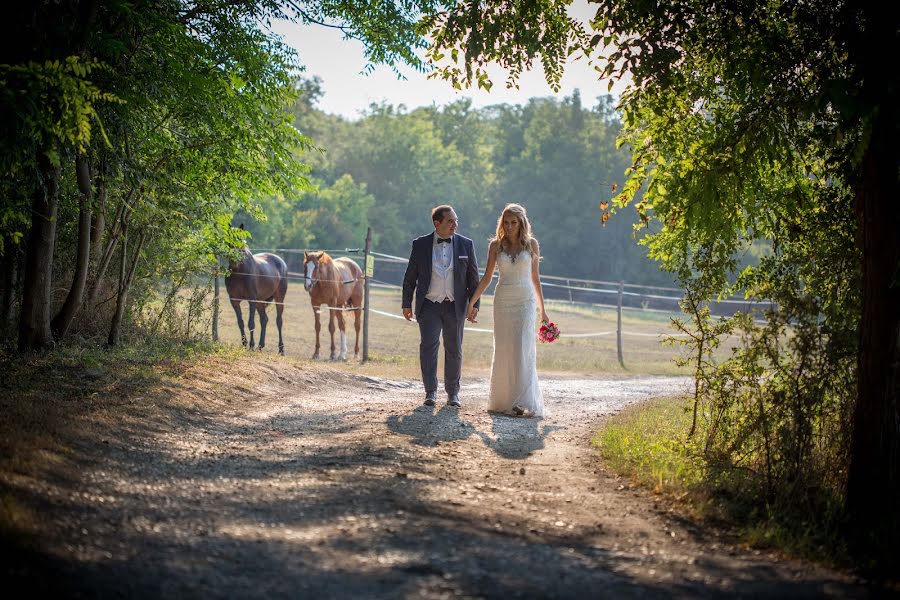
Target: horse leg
<point x="251" y="323"/>
<point x="317" y="312"/>
<point x="236" y="305"/>
<point x="356" y="318"/>
<point x="279" y="308"/>
<point x="331" y="329"/>
<point x="263" y="320"/>
<point x="342" y="326"/>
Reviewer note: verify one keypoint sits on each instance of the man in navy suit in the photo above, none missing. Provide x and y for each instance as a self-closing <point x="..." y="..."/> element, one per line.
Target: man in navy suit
<point x="443" y="273"/>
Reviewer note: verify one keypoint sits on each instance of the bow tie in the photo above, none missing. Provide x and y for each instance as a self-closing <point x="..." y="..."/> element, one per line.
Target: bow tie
<point x="444" y="240"/>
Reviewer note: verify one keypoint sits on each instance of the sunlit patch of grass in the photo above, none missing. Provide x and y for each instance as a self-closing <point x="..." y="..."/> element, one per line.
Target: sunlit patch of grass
<point x="646" y="442"/>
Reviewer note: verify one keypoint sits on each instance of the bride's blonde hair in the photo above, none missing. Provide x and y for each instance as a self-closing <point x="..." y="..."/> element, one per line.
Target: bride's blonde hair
<point x="525" y="237"/>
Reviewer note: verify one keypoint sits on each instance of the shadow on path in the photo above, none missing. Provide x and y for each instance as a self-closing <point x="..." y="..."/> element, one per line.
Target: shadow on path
<point x="428" y="427"/>
<point x="516" y="438"/>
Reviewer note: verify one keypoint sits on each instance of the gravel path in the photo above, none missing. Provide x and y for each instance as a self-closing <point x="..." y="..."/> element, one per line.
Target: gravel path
<point x="346" y="486"/>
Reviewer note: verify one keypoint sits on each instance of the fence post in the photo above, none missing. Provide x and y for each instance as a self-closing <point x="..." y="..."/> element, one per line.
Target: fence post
<point x="215" y="315"/>
<point x="619" y="325"/>
<point x="370" y="271"/>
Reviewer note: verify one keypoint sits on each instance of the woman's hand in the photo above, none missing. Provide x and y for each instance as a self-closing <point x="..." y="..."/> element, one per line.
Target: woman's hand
<point x="471" y="312"/>
<point x="544" y="317"/>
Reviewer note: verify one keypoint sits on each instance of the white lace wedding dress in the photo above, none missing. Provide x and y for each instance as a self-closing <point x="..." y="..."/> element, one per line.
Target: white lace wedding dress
<point x="514" y="380"/>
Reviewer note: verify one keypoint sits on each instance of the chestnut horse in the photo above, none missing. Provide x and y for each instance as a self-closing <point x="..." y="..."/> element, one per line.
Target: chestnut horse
<point x="338" y="284"/>
<point x="260" y="279"/>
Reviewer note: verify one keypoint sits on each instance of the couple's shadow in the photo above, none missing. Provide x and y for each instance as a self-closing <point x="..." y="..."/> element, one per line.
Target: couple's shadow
<point x="516" y="438"/>
<point x="430" y="425"/>
<point x="510" y="437"/>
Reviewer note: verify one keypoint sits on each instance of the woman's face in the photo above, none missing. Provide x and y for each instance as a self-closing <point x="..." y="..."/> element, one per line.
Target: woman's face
<point x="511" y="226"/>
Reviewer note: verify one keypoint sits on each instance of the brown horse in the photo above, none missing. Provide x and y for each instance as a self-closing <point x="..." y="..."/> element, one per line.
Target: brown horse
<point x="259" y="279"/>
<point x="338" y="284"/>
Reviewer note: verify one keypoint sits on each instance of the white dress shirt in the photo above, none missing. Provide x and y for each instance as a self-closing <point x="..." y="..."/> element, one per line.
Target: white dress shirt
<point x="441" y="286"/>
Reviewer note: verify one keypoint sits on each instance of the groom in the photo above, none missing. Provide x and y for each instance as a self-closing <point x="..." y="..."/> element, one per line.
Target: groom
<point x="443" y="273"/>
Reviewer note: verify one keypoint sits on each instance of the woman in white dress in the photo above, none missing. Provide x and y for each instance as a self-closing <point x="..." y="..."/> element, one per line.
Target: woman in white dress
<point x="518" y="295"/>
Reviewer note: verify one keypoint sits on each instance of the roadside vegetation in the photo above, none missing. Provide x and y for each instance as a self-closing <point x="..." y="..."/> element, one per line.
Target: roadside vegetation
<point x="647" y="443"/>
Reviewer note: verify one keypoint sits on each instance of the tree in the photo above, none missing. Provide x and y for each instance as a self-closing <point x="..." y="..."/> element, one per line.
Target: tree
<point x="175" y="111"/>
<point x="769" y="90"/>
<point x="726" y="97"/>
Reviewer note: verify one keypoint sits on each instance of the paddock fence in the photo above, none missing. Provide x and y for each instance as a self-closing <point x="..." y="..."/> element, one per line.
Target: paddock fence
<point x="383" y="277"/>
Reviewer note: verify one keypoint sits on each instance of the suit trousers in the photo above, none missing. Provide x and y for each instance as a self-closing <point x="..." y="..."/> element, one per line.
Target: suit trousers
<point x="434" y="319"/>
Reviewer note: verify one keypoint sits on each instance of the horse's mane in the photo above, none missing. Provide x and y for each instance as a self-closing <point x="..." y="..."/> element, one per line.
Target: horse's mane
<point x="324" y="257"/>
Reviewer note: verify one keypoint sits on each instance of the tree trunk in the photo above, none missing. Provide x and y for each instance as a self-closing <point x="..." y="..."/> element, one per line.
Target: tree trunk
<point x="98" y="217"/>
<point x="34" y="318"/>
<point x="873" y="484"/>
<point x="60" y="324"/>
<point x="215" y="315"/>
<point x="10" y="260"/>
<point x="126" y="276"/>
<point x="119" y="222"/>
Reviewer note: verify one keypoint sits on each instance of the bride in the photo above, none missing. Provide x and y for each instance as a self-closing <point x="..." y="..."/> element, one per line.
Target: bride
<point x="514" y="382"/>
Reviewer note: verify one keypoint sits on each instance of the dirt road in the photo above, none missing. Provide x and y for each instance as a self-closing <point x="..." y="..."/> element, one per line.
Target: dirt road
<point x="282" y="484"/>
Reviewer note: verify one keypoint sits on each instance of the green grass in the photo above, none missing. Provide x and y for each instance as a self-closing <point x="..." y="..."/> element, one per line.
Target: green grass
<point x="646" y="442"/>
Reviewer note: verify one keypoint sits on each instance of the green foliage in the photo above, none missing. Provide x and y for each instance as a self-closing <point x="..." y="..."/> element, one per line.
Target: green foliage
<point x="390" y="31"/>
<point x="53" y="107"/>
<point x="513" y="34"/>
<point x="558" y="158"/>
<point x="328" y="216"/>
<point x="54" y="102"/>
<point x="726" y="158"/>
<point x="765" y="124"/>
<point x="647" y="442"/>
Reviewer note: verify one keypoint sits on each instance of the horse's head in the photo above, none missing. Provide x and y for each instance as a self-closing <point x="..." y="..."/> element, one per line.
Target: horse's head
<point x="311" y="261"/>
<point x="240" y="264"/>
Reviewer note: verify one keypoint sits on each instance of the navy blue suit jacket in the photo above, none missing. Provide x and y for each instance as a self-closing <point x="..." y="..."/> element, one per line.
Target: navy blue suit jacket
<point x="418" y="272"/>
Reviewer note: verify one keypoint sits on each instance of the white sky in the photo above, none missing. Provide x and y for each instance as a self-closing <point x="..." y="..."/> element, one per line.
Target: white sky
<point x="348" y="92"/>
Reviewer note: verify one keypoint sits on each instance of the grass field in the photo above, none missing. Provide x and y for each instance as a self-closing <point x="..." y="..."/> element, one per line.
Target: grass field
<point x="394" y="342"/>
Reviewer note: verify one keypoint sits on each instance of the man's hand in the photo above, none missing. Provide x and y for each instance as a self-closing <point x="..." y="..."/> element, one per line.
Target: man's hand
<point x="407" y="314"/>
<point x="473" y="313"/>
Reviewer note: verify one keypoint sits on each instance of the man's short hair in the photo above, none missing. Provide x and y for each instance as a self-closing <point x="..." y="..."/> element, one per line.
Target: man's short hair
<point x="439" y="212"/>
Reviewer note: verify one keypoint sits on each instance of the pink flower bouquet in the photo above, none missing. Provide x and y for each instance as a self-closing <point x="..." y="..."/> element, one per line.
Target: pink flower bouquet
<point x="548" y="332"/>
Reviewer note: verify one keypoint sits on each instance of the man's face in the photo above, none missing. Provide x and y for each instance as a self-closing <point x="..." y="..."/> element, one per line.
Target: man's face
<point x="448" y="226"/>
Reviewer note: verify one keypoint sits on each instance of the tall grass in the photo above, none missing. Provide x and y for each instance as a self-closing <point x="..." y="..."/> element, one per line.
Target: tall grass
<point x="648" y="443"/>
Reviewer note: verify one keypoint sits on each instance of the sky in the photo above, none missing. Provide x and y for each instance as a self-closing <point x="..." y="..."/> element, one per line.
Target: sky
<point x="348" y="92"/>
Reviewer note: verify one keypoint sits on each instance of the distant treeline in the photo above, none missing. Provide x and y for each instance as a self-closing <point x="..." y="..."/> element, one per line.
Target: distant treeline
<point x="389" y="168"/>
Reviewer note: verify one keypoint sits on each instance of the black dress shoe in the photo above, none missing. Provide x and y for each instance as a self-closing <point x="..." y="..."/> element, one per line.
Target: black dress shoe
<point x="430" y="398"/>
<point x="453" y="400"/>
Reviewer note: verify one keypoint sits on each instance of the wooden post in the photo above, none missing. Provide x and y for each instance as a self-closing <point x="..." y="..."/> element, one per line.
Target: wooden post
<point x="619" y="325"/>
<point x="569" y="284"/>
<point x="215" y="315"/>
<point x="370" y="271"/>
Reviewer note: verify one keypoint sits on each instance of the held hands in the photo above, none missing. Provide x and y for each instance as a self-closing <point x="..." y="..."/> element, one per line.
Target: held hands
<point x="471" y="313"/>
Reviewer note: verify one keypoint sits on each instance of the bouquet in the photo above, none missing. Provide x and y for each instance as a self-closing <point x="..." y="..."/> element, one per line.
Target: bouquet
<point x="548" y="332"/>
